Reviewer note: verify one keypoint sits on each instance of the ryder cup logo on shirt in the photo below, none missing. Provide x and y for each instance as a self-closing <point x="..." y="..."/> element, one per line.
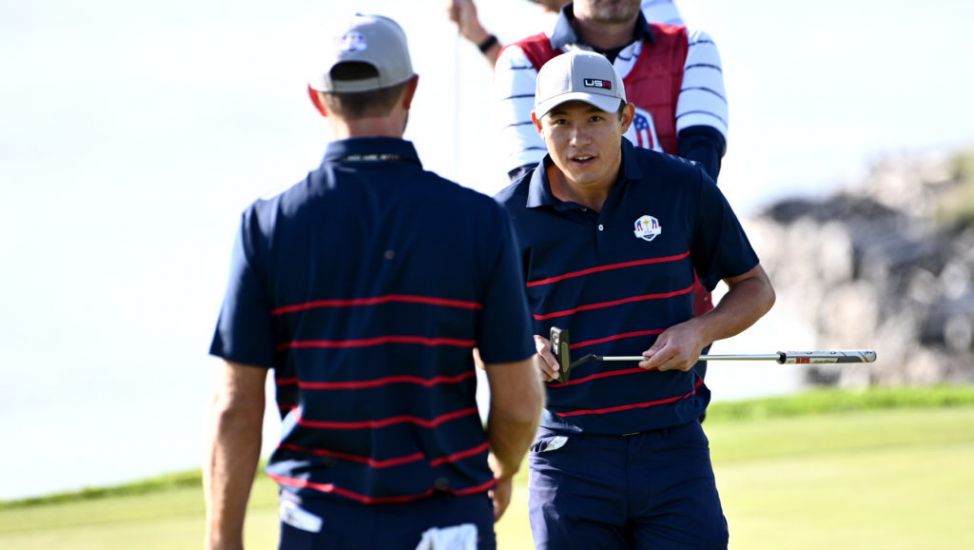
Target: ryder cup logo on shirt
<point x="647" y="228"/>
<point x="597" y="83"/>
<point x="352" y="42"/>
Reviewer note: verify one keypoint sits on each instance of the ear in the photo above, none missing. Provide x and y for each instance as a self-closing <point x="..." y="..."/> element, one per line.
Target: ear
<point x="315" y="96"/>
<point x="536" y="121"/>
<point x="628" y="114"/>
<point x="410" y="92"/>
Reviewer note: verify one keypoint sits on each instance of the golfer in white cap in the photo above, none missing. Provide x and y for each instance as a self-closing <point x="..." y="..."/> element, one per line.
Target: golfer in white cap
<point x="610" y="237"/>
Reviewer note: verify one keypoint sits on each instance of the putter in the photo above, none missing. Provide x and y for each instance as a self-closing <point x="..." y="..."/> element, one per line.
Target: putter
<point x="560" y="348"/>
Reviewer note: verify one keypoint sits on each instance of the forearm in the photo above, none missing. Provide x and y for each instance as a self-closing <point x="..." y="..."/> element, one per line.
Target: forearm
<point x="464" y="14"/>
<point x="515" y="410"/>
<point x="492" y="53"/>
<point x="509" y="442"/>
<point x="486" y="42"/>
<point x="229" y="472"/>
<point x="745" y="302"/>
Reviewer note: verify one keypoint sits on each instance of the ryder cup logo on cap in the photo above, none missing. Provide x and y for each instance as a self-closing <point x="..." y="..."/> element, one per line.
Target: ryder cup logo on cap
<point x="647" y="228"/>
<point x="352" y="42"/>
<point x="578" y="76"/>
<point x="366" y="39"/>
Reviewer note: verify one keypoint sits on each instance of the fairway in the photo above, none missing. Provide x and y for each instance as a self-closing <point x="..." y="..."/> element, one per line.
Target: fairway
<point x="882" y="479"/>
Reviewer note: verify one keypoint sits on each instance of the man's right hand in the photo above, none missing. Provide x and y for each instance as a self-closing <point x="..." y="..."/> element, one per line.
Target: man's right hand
<point x="500" y="495"/>
<point x="464" y="14"/>
<point x="545" y="359"/>
<point x="516" y="401"/>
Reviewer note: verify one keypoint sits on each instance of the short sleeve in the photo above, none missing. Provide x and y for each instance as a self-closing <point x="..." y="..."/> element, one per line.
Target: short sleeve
<point x="244" y="331"/>
<point x="504" y="331"/>
<point x="720" y="248"/>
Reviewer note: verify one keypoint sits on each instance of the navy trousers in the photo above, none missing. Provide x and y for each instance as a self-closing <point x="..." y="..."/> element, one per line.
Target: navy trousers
<point x="349" y="525"/>
<point x="652" y="490"/>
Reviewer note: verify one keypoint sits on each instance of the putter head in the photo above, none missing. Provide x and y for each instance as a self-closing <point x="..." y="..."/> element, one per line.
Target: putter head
<point x="559" y="347"/>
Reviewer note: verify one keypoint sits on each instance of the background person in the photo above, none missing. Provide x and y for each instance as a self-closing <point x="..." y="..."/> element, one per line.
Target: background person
<point x="673" y="78"/>
<point x="464" y="14"/>
<point x="365" y="288"/>
<point x="611" y="235"/>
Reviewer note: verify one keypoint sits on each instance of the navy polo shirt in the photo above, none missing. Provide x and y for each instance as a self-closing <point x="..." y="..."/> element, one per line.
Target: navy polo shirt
<point x="617" y="278"/>
<point x="365" y="287"/>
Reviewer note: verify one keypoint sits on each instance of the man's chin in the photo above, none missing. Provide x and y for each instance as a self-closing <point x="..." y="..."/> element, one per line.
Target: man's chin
<point x="616" y="17"/>
<point x="581" y="178"/>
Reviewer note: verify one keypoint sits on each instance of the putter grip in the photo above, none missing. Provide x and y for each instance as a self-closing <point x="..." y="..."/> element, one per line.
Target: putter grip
<point x="826" y="357"/>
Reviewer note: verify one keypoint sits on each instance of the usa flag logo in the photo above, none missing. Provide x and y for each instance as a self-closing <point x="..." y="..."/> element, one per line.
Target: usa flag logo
<point x="597" y="83"/>
<point x="352" y="42"/>
<point x="647" y="228"/>
<point x="644" y="130"/>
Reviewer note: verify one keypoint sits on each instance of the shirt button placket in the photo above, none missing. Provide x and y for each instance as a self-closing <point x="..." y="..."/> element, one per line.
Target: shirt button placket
<point x="599" y="236"/>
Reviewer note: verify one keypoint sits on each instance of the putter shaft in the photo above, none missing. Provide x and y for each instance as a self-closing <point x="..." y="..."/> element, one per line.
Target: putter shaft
<point x="753" y="357"/>
<point x="782" y="357"/>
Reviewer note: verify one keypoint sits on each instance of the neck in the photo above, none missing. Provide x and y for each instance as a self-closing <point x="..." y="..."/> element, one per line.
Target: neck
<point x="605" y="36"/>
<point x="592" y="195"/>
<point x="385" y="126"/>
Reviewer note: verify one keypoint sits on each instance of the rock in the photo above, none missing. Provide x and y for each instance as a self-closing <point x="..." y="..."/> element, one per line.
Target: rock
<point x="881" y="271"/>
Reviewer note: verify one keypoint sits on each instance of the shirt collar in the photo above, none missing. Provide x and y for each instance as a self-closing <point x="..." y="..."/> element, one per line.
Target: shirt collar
<point x="371" y="149"/>
<point x="630" y="166"/>
<point x="564" y="33"/>
<point x="539" y="188"/>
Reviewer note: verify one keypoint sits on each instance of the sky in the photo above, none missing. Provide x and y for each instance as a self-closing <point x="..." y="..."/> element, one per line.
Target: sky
<point x="132" y="135"/>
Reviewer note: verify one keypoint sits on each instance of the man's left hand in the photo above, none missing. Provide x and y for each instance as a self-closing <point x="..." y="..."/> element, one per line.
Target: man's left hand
<point x="677" y="348"/>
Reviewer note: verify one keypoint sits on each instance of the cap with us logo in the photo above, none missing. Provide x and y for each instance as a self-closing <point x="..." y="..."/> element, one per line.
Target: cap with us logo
<point x="578" y="75"/>
<point x="375" y="40"/>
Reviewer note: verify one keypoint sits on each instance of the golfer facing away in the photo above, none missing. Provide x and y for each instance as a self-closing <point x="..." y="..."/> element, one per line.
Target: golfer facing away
<point x="610" y="236"/>
<point x="365" y="289"/>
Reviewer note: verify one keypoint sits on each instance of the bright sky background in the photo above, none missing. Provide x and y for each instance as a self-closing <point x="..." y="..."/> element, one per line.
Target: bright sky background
<point x="133" y="134"/>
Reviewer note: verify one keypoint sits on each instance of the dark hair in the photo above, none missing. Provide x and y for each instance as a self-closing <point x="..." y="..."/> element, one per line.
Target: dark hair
<point x="352" y="105"/>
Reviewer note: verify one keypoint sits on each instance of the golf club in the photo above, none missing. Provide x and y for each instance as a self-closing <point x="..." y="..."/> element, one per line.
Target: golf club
<point x="560" y="343"/>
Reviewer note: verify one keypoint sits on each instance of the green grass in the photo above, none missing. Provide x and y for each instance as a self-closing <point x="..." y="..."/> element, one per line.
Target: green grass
<point x="151" y="485"/>
<point x="165" y="519"/>
<point x="842" y="401"/>
<point x="881" y="469"/>
<point x="881" y="479"/>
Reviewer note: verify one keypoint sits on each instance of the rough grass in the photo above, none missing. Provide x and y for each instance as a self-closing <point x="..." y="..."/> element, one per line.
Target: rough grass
<point x="842" y="401"/>
<point x="156" y="484"/>
<point x="882" y="469"/>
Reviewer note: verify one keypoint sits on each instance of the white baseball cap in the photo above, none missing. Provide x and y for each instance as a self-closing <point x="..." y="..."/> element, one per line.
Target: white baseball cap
<point x="578" y="75"/>
<point x="373" y="39"/>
